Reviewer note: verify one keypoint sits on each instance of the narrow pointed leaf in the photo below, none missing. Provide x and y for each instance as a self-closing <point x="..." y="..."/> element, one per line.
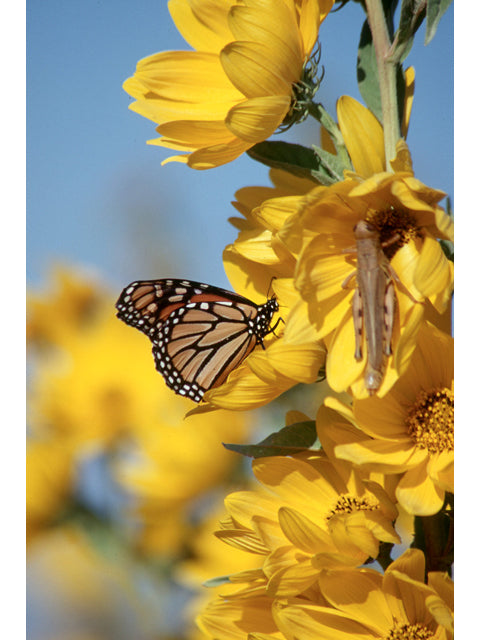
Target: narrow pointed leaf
<point x="411" y="17"/>
<point x="216" y="582"/>
<point x="294" y="158"/>
<point x="289" y="440"/>
<point x="367" y="72"/>
<point x="435" y="10"/>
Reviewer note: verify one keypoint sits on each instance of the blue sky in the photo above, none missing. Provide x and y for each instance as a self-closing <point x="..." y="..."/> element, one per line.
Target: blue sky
<point x="97" y="195"/>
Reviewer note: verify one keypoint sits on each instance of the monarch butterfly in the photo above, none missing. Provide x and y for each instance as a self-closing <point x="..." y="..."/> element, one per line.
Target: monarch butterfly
<point x="200" y="333"/>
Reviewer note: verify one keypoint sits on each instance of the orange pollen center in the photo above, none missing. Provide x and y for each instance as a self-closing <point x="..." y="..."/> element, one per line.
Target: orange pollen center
<point x="409" y="632"/>
<point x="430" y="420"/>
<point x="394" y="223"/>
<point x="349" y="504"/>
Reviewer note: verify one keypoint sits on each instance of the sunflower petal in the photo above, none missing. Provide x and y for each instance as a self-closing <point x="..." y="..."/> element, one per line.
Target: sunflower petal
<point x="433" y="274"/>
<point x="363" y="136"/>
<point x="256" y="119"/>
<point x="276" y="29"/>
<point x="203" y="25"/>
<point x="252" y="70"/>
<point x="418" y="494"/>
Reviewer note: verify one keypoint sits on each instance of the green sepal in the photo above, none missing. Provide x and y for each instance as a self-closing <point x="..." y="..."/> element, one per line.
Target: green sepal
<point x="292" y="439"/>
<point x="435" y="10"/>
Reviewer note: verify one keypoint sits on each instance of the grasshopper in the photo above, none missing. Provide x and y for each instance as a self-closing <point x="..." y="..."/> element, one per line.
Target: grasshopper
<point x="373" y="304"/>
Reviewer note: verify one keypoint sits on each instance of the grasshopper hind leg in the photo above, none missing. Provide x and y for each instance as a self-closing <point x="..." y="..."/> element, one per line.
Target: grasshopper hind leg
<point x="389" y="309"/>
<point x="357" y="310"/>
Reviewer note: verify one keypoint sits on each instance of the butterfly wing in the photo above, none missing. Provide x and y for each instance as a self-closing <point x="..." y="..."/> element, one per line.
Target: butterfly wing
<point x="200" y="333"/>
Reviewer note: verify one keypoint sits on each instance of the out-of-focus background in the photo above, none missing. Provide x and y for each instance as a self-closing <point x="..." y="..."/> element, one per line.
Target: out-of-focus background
<point x="122" y="494"/>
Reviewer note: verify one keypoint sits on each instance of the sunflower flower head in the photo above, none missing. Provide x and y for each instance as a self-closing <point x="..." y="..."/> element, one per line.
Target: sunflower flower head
<point x="248" y="72"/>
<point x="407" y="434"/>
<point x="310" y="514"/>
<point x="363" y="603"/>
<point x="405" y="224"/>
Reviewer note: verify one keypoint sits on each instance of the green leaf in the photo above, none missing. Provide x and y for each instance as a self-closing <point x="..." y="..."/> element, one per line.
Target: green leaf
<point x="290" y="157"/>
<point x="298" y="160"/>
<point x="412" y="14"/>
<point x="435" y="10"/>
<point x="367" y="69"/>
<point x="291" y="439"/>
<point x="331" y="167"/>
<point x="367" y="75"/>
<point x="367" y="72"/>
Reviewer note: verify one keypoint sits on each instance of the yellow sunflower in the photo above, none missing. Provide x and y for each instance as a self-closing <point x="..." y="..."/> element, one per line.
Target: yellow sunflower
<point x="364" y="604"/>
<point x="240" y="82"/>
<point x="409" y="431"/>
<point x="404" y="214"/>
<point x="309" y="515"/>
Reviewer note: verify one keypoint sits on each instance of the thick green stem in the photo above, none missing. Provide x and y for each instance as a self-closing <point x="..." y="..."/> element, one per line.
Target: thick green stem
<point x="387" y="72"/>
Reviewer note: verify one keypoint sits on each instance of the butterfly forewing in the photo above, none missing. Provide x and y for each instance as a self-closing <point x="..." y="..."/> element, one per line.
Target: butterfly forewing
<point x="200" y="333"/>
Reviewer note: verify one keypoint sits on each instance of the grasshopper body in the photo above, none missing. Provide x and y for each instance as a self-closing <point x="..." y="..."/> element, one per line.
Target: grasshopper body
<point x="373" y="303"/>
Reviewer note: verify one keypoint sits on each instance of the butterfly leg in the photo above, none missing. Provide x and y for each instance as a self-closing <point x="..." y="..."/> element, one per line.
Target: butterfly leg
<point x="357" y="310"/>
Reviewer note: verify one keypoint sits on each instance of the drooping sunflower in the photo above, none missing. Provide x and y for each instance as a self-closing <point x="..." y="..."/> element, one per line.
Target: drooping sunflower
<point x="241" y="82"/>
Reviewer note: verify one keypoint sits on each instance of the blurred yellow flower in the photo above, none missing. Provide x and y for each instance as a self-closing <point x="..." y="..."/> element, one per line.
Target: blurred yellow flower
<point x="364" y="604"/>
<point x="81" y="593"/>
<point x="176" y="461"/>
<point x="407" y="432"/>
<point x="94" y="392"/>
<point x="239" y="84"/>
<point x="310" y="514"/>
<point x="49" y="480"/>
<point x="69" y="306"/>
